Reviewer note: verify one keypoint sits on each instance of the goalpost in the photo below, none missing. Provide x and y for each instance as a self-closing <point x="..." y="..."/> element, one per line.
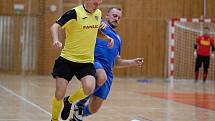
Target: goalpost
<point x="182" y="34"/>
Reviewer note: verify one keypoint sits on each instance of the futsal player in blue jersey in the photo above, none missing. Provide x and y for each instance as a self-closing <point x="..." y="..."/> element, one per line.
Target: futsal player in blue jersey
<point x="104" y="60"/>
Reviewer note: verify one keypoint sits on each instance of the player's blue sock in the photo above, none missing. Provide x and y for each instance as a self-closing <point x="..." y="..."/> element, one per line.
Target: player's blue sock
<point x="86" y="111"/>
<point x="83" y="101"/>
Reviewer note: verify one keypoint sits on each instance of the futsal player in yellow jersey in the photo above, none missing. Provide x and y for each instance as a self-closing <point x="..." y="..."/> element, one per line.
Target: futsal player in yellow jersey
<point x="104" y="61"/>
<point x="81" y="25"/>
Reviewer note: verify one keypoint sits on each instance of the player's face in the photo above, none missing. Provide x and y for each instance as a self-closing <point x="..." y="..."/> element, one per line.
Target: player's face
<point x="113" y="17"/>
<point x="206" y="31"/>
<point x="92" y="5"/>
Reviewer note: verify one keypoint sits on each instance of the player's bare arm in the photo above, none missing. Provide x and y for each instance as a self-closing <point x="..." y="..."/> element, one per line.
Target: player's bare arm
<point x="128" y="62"/>
<point x="54" y="31"/>
<point x="212" y="49"/>
<point x="106" y="38"/>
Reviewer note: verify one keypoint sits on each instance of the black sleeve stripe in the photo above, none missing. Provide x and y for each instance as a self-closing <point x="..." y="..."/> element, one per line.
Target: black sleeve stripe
<point x="212" y="48"/>
<point x="71" y="14"/>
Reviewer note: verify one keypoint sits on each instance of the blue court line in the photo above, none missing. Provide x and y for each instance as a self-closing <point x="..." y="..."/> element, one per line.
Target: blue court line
<point x="144" y="81"/>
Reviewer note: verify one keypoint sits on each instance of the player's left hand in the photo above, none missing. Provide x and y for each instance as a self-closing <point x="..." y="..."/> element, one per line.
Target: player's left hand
<point x="139" y="61"/>
<point x="102" y="25"/>
<point x="195" y="54"/>
<point x="212" y="55"/>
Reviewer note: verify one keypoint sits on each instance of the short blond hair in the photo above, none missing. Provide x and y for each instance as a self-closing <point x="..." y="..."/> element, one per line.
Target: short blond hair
<point x="111" y="8"/>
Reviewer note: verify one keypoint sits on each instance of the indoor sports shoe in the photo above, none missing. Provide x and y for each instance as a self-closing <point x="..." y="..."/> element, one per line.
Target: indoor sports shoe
<point x="78" y="113"/>
<point x="66" y="109"/>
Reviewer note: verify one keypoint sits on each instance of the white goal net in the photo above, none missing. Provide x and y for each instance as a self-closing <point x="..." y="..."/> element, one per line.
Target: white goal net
<point x="182" y="35"/>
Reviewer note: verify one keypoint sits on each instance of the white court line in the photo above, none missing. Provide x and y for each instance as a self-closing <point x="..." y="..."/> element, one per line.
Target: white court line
<point x="24" y="99"/>
<point x="35" y="85"/>
<point x="4" y="119"/>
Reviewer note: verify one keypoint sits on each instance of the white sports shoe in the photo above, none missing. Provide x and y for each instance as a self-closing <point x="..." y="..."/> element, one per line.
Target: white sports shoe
<point x="78" y="113"/>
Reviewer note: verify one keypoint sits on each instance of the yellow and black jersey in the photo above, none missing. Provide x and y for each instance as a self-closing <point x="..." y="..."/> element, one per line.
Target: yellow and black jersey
<point x="81" y="29"/>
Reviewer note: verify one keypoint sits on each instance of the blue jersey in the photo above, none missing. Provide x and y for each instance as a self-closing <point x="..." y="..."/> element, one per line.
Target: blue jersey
<point x="105" y="55"/>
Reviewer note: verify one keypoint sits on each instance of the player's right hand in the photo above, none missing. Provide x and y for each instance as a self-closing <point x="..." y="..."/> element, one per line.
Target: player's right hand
<point x="195" y="54"/>
<point x="110" y="42"/>
<point x="57" y="45"/>
<point x="103" y="25"/>
<point x="139" y="61"/>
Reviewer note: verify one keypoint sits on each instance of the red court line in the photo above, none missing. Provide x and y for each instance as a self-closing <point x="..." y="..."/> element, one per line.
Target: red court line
<point x="203" y="100"/>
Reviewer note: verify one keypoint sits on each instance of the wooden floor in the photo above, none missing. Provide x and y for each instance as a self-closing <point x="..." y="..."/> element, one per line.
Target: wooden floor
<point x="28" y="98"/>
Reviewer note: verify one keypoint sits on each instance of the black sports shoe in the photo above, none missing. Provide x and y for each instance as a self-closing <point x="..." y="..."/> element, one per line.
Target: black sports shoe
<point x="66" y="109"/>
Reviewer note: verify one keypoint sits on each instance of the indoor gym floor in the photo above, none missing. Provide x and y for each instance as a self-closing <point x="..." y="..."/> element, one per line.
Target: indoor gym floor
<point x="28" y="98"/>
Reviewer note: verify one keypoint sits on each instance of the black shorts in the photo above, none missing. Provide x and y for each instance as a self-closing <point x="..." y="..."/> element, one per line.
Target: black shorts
<point x="67" y="69"/>
<point x="202" y="59"/>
